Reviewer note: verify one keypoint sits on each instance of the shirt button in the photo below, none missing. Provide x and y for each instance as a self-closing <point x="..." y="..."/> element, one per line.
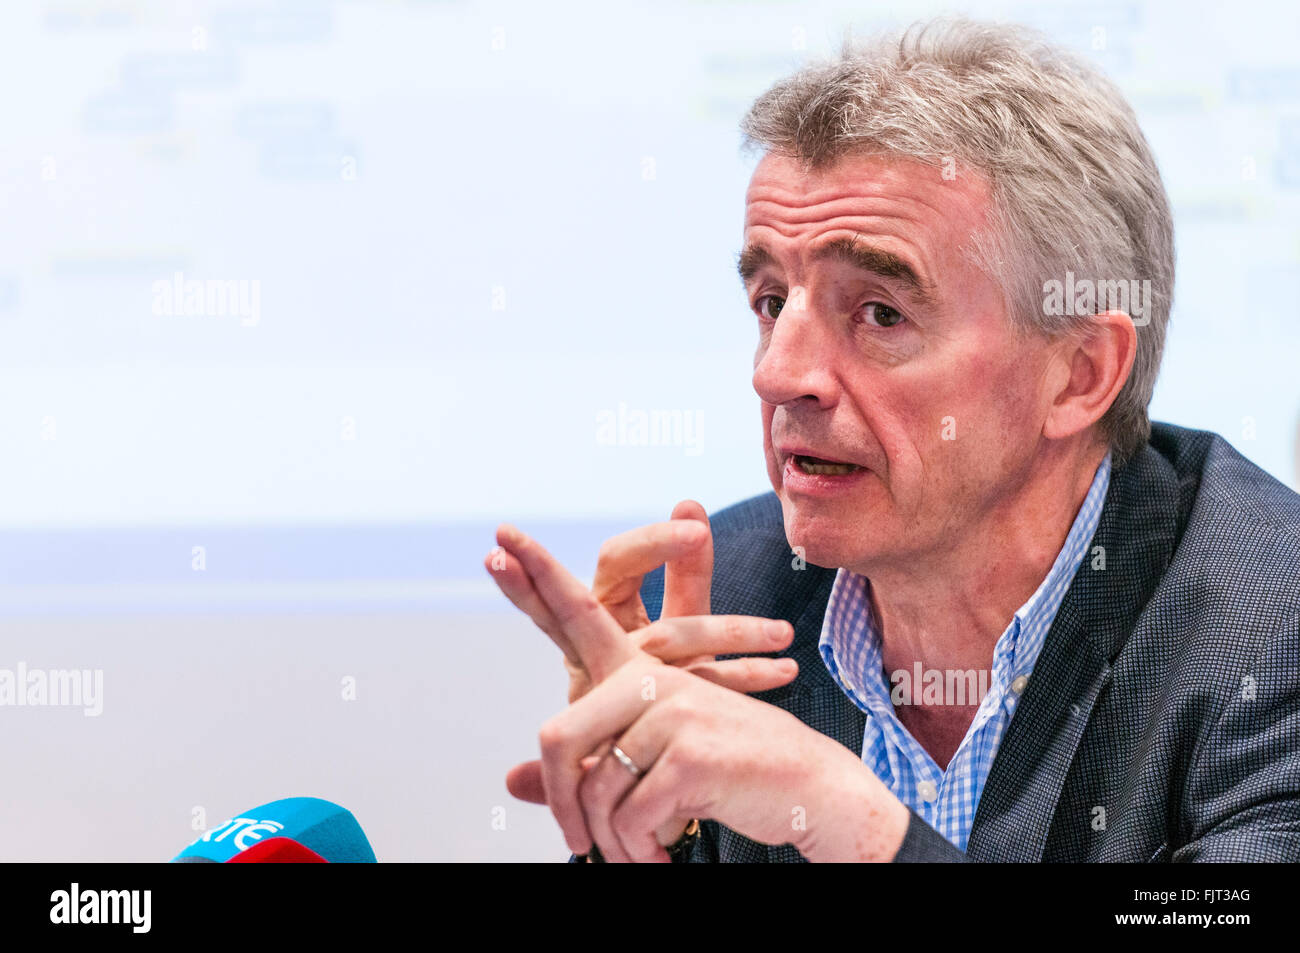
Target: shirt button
<point x="1018" y="685"/>
<point x="928" y="791"/>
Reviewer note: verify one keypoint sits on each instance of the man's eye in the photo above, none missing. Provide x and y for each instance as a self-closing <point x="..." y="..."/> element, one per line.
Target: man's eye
<point x="769" y="306"/>
<point x="882" y="316"/>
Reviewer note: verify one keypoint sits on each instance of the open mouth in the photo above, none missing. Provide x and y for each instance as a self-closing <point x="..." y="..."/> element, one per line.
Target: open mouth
<point x="816" y="466"/>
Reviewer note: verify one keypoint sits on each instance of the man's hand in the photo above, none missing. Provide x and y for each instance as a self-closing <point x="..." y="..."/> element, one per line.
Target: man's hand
<point x="703" y="751"/>
<point x="683" y="545"/>
<point x="594" y="642"/>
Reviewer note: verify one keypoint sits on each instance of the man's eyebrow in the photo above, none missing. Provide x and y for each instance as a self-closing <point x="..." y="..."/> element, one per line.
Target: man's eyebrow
<point x="848" y="250"/>
<point x="751" y="259"/>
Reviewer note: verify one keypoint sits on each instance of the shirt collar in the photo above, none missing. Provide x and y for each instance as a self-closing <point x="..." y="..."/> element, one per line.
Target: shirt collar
<point x="850" y="639"/>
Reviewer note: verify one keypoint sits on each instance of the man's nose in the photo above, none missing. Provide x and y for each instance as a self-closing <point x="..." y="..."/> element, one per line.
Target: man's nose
<point x="799" y="360"/>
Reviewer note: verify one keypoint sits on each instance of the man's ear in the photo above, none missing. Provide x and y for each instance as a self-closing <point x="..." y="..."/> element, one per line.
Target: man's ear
<point x="1092" y="368"/>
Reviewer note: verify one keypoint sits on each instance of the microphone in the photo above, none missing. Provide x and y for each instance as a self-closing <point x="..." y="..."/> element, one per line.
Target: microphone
<point x="321" y="827"/>
<point x="277" y="850"/>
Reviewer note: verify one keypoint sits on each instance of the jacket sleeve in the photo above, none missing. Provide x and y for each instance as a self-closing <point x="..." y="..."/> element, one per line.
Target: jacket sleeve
<point x="922" y="844"/>
<point x="1241" y="800"/>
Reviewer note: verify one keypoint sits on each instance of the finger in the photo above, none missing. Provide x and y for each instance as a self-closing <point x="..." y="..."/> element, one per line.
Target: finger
<point x="688" y="637"/>
<point x="748" y="674"/>
<point x="673" y="785"/>
<point x="599" y="793"/>
<point x="509" y="575"/>
<point x="524" y="781"/>
<point x="601" y="714"/>
<point x="657" y="797"/>
<point x="626" y="558"/>
<point x="688" y="579"/>
<point x="597" y="639"/>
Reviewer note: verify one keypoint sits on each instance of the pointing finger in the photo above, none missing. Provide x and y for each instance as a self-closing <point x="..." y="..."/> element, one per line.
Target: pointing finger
<point x="597" y="639"/>
<point x="509" y="575"/>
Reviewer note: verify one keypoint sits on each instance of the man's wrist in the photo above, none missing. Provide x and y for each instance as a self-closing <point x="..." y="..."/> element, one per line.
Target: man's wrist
<point x="860" y="821"/>
<point x="679" y="851"/>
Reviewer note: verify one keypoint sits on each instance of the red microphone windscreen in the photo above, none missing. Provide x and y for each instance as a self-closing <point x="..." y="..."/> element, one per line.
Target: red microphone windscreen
<point x="277" y="850"/>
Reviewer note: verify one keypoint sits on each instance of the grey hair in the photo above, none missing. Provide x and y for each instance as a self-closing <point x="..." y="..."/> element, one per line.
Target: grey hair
<point x="1074" y="186"/>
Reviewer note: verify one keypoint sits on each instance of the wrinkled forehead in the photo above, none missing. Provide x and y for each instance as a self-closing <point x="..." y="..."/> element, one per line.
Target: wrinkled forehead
<point x="862" y="183"/>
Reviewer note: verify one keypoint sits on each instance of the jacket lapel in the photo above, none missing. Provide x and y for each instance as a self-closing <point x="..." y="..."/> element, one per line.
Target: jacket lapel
<point x="1136" y="533"/>
<point x="814" y="697"/>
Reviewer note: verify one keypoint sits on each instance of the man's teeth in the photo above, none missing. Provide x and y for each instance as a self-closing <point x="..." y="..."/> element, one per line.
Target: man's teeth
<point x="816" y="467"/>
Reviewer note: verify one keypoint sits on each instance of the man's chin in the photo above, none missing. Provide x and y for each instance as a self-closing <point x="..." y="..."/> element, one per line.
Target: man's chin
<point x="824" y="540"/>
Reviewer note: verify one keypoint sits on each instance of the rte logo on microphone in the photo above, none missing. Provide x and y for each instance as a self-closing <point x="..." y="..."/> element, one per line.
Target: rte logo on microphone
<point x="249" y="831"/>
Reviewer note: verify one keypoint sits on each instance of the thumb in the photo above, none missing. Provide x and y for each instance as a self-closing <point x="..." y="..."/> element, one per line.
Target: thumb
<point x="524" y="781"/>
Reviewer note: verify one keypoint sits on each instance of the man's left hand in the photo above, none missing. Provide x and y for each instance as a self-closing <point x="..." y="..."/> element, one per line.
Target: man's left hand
<point x="709" y="752"/>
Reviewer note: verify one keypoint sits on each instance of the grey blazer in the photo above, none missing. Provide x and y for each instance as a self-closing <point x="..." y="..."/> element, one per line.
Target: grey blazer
<point x="1162" y="721"/>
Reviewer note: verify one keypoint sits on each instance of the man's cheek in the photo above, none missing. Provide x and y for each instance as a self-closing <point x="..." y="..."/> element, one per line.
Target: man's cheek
<point x="774" y="476"/>
<point x="767" y="412"/>
<point x="1014" y="415"/>
<point x="907" y="429"/>
<point x="949" y="412"/>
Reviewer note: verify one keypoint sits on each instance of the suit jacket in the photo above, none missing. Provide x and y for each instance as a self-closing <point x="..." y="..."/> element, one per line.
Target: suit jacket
<point x="1162" y="721"/>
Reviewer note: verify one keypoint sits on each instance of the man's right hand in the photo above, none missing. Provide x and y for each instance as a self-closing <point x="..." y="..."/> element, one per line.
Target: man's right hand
<point x="595" y="640"/>
<point x="684" y="547"/>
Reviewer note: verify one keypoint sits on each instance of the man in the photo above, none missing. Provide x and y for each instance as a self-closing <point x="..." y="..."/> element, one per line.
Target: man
<point x="1044" y="629"/>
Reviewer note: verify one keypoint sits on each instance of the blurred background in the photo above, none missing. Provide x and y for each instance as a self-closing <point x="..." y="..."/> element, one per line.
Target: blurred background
<point x="299" y="299"/>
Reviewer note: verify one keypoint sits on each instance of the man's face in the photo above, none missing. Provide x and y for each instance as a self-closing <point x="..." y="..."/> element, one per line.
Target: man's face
<point x="883" y="351"/>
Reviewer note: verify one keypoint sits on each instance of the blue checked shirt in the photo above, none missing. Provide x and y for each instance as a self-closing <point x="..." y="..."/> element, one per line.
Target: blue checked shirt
<point x="850" y="646"/>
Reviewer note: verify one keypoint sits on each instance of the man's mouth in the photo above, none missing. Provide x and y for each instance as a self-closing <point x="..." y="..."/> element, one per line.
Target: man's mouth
<point x="816" y="466"/>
